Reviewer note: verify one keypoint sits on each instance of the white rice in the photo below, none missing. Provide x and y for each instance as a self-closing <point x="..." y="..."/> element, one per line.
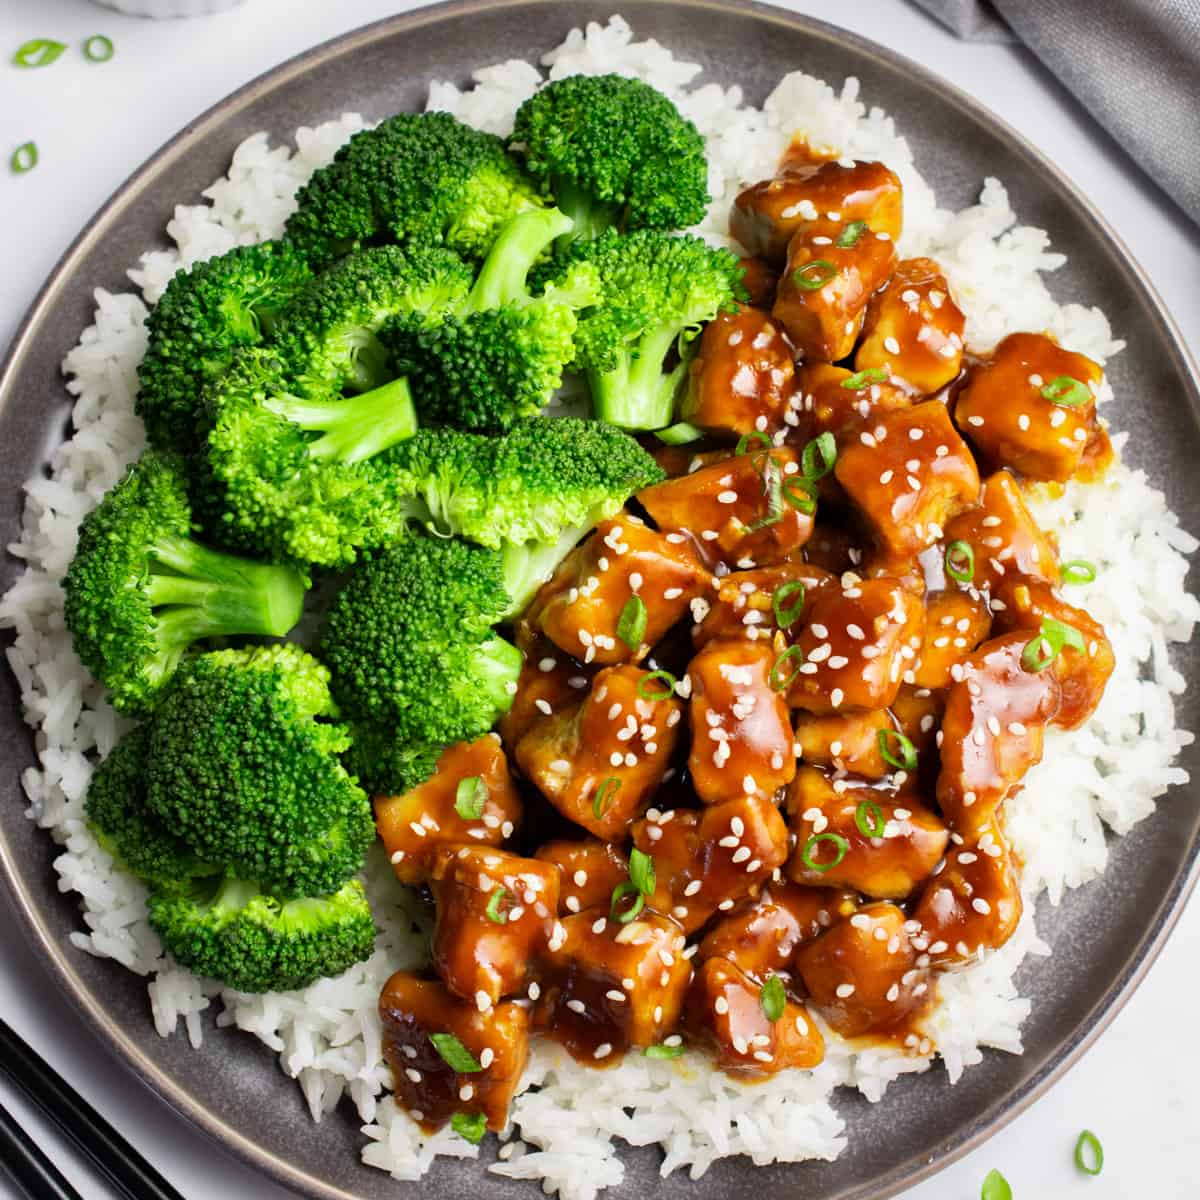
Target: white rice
<point x="328" y="1036"/>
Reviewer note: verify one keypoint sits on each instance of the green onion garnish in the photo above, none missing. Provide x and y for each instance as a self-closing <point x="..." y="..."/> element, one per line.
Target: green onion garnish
<point x="1048" y="643"/>
<point x="861" y="378"/>
<point x="38" y="52"/>
<point x="1078" y="570"/>
<point x="24" y="158"/>
<point x="773" y="490"/>
<point x="98" y="48"/>
<point x="960" y="561"/>
<point x="1089" y="1154"/>
<point x="755" y="435"/>
<point x="492" y="912"/>
<point x="1066" y="392"/>
<point x="469" y="1126"/>
<point x="470" y="798"/>
<point x="814" y="275"/>
<point x="679" y="434"/>
<point x="641" y="871"/>
<point x="631" y="625"/>
<point x="904" y="757"/>
<point x="605" y="794"/>
<point x="806" y="854"/>
<point x="772" y="998"/>
<point x="850" y="235"/>
<point x="800" y="494"/>
<point x="626" y="888"/>
<point x="780" y="682"/>
<point x="784" y="592"/>
<point x="868" y="816"/>
<point x="645" y="687"/>
<point x="454" y="1054"/>
<point x="663" y="1051"/>
<point x="818" y="456"/>
<point x="995" y="1187"/>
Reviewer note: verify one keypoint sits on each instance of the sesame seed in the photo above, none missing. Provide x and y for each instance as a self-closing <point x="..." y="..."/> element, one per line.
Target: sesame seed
<point x="483" y="1001"/>
<point x="844" y="991"/>
<point x="603" y="1050"/>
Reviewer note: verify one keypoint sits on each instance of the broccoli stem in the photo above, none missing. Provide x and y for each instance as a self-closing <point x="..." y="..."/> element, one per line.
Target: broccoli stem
<point x="528" y="565"/>
<point x="638" y="394"/>
<point x="497" y="665"/>
<point x="520" y="244"/>
<point x="590" y="217"/>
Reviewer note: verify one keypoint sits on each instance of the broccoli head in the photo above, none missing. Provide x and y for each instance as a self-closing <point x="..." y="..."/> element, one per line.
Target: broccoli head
<point x="140" y="590"/>
<point x="255" y="942"/>
<point x="385" y="765"/>
<point x="244" y="768"/>
<point x="613" y="152"/>
<point x="203" y="316"/>
<point x="422" y="176"/>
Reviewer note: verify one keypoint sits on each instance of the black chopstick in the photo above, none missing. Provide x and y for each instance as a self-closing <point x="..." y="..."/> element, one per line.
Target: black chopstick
<point x="28" y="1167"/>
<point x="128" y="1172"/>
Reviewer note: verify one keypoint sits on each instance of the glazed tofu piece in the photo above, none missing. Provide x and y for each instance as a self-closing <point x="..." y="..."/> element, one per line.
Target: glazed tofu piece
<point x="759" y="279"/>
<point x="725" y="1013"/>
<point x="470" y="797"/>
<point x="1032" y="407"/>
<point x="741" y="379"/>
<point x="955" y="624"/>
<point x="1003" y="538"/>
<point x="909" y="476"/>
<point x="588" y="871"/>
<point x="844" y="403"/>
<point x="844" y="742"/>
<point x="821" y="199"/>
<point x="992" y="731"/>
<point x="862" y="975"/>
<point x="550" y="681"/>
<point x="742" y="511"/>
<point x="705" y="862"/>
<point x="623" y="568"/>
<point x="917" y="712"/>
<point x="495" y="913"/>
<point x="837" y="548"/>
<point x="741" y="728"/>
<point x="862" y="636"/>
<point x="973" y="904"/>
<point x="418" y="1016"/>
<point x="823" y="292"/>
<point x="913" y="328"/>
<point x="609" y="985"/>
<point x="904" y="844"/>
<point x="600" y="762"/>
<point x="757" y="604"/>
<point x="761" y="936"/>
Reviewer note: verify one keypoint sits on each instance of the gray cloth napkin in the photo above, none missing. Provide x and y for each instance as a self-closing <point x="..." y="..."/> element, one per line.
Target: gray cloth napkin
<point x="1133" y="64"/>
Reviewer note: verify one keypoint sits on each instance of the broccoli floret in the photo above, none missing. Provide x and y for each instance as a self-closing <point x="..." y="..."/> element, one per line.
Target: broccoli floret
<point x="657" y="291"/>
<point x="422" y="176"/>
<point x="613" y="152"/>
<point x="244" y="767"/>
<point x="500" y="355"/>
<point x="140" y="590"/>
<point x="202" y="317"/>
<point x="255" y="942"/>
<point x="386" y="766"/>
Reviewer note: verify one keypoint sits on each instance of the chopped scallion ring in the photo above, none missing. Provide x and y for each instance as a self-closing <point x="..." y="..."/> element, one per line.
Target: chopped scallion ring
<point x="869" y="818"/>
<point x="470" y="798"/>
<point x="38" y="52"/>
<point x="772" y="998"/>
<point x="98" y="48"/>
<point x="783" y="593"/>
<point x="746" y="439"/>
<point x="1078" y="570"/>
<point x="679" y="434"/>
<point x="619" y="893"/>
<point x="1089" y="1154"/>
<point x="469" y="1126"/>
<point x="904" y="757"/>
<point x="773" y="490"/>
<point x="779" y="681"/>
<point x="454" y="1054"/>
<point x="798" y="492"/>
<point x="645" y="687"/>
<point x="663" y="1051"/>
<point x="810" y="847"/>
<point x="850" y="234"/>
<point x="814" y="275"/>
<point x="1066" y="392"/>
<point x="631" y="625"/>
<point x="861" y="379"/>
<point x="818" y="456"/>
<point x="605" y="794"/>
<point x="641" y="871"/>
<point x="1048" y="643"/>
<point x="995" y="1187"/>
<point x="960" y="561"/>
<point x="24" y="158"/>
<point x="493" y="912"/>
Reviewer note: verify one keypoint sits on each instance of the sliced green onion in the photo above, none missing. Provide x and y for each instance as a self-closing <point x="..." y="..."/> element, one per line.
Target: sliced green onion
<point x="493" y="911"/>
<point x="454" y="1054"/>
<point x="995" y="1187"/>
<point x="631" y="625"/>
<point x="98" y="48"/>
<point x="38" y="52"/>
<point x="776" y="679"/>
<point x="605" y="794"/>
<point x="641" y="871"/>
<point x="1078" y="570"/>
<point x="1089" y="1154"/>
<point x="869" y="818"/>
<point x="850" y="235"/>
<point x="904" y="757"/>
<point x="787" y="616"/>
<point x="469" y="1126"/>
<point x="755" y="435"/>
<point x="1048" y="643"/>
<point x="814" y="275"/>
<point x="799" y="493"/>
<point x="773" y="999"/>
<point x="960" y="561"/>
<point x="470" y="798"/>
<point x="645" y="685"/>
<point x="1067" y="392"/>
<point x="620" y="892"/>
<point x="861" y="378"/>
<point x="810" y="847"/>
<point x="773" y="490"/>
<point x="24" y="158"/>
<point x="818" y="456"/>
<point x="663" y="1051"/>
<point x="679" y="434"/>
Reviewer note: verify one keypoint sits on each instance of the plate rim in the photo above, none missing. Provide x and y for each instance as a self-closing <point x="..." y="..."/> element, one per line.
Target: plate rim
<point x="116" y="1041"/>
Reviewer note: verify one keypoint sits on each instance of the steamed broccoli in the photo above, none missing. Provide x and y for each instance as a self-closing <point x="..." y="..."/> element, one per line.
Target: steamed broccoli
<point x="140" y="590"/>
<point x="422" y="176"/>
<point x="613" y="152"/>
<point x="243" y="766"/>
<point x="203" y="316"/>
<point x="255" y="942"/>
<point x="657" y="291"/>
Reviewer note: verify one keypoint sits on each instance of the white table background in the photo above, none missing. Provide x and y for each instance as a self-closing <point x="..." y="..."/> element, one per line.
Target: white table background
<point x="95" y="124"/>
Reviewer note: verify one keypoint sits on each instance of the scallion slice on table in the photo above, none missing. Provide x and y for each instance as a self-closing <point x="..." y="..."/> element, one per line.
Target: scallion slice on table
<point x="995" y="1187"/>
<point x="1089" y="1154"/>
<point x="38" y="52"/>
<point x="24" y="158"/>
<point x="98" y="48"/>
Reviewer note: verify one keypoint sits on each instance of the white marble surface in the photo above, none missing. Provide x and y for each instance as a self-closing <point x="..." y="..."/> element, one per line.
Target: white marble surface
<point x="96" y="124"/>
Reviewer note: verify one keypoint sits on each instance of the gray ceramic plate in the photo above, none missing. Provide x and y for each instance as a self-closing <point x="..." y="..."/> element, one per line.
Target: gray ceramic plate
<point x="1105" y="935"/>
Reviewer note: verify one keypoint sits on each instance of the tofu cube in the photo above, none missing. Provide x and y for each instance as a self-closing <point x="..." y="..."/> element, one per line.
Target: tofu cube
<point x="588" y="872"/>
<point x="956" y="622"/>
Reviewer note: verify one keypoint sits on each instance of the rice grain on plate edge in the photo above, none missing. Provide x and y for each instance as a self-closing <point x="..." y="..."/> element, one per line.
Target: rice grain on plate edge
<point x="328" y="1035"/>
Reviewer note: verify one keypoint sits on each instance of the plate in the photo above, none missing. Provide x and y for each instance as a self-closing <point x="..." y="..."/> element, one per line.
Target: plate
<point x="1105" y="935"/>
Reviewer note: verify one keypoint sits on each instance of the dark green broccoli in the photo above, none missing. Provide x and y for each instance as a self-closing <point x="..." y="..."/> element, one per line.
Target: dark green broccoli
<point x="386" y="766"/>
<point x="657" y="292"/>
<point x="140" y="590"/>
<point x="613" y="152"/>
<point x="255" y="942"/>
<point x="243" y="767"/>
<point x="203" y="316"/>
<point x="422" y="176"/>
